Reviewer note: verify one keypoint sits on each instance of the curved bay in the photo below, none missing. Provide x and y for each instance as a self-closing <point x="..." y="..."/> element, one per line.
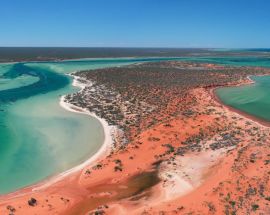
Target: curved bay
<point x="253" y="99"/>
<point x="38" y="137"/>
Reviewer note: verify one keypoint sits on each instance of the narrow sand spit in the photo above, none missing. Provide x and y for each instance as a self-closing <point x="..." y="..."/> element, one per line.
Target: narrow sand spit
<point x="108" y="132"/>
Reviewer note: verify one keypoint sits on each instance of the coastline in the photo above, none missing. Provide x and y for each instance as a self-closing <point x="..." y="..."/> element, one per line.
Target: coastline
<point x="255" y="119"/>
<point x="103" y="151"/>
<point x="107" y="145"/>
<point x="93" y="59"/>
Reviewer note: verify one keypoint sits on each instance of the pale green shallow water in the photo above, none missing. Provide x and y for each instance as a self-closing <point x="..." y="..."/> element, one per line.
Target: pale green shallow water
<point x="252" y="99"/>
<point x="39" y="138"/>
<point x="18" y="82"/>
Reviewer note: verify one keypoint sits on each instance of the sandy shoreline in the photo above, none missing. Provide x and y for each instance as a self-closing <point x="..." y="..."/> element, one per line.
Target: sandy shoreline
<point x="255" y="119"/>
<point x="103" y="151"/>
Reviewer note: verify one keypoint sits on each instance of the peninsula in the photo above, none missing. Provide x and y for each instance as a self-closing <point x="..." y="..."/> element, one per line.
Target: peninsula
<point x="171" y="146"/>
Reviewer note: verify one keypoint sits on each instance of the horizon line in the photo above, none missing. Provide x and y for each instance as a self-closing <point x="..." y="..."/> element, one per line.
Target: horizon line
<point x="134" y="47"/>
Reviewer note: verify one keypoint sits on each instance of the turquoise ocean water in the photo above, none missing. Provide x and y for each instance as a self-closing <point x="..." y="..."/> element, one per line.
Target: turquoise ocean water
<point x="252" y="99"/>
<point x="38" y="138"/>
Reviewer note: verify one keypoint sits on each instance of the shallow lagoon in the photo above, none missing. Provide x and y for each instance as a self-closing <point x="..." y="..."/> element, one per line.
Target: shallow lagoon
<point x="38" y="138"/>
<point x="253" y="99"/>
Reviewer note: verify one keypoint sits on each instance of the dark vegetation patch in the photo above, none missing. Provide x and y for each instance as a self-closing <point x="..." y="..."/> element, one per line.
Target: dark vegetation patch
<point x="137" y="96"/>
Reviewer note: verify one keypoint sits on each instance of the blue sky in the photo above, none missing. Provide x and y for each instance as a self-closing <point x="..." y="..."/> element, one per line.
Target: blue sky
<point x="135" y="23"/>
